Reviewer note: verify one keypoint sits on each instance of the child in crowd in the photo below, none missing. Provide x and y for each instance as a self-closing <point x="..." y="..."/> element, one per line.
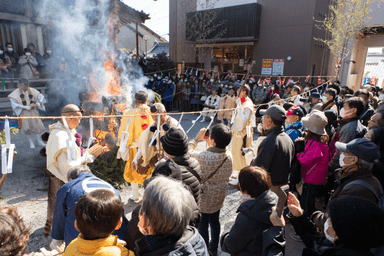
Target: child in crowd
<point x="98" y="214"/>
<point x="14" y="234"/>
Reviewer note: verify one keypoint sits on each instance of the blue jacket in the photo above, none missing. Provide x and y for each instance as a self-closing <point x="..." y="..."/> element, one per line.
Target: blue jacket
<point x="66" y="198"/>
<point x="168" y="93"/>
<point x="293" y="130"/>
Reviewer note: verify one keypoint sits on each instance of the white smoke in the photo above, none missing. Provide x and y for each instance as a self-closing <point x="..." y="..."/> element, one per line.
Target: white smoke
<point x="81" y="30"/>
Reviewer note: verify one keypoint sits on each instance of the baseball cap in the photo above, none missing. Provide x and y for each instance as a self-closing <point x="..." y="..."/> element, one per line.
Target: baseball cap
<point x="362" y="148"/>
<point x="276" y="112"/>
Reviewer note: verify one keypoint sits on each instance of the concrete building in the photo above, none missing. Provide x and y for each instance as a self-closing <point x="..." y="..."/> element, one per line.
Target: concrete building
<point x="126" y="38"/>
<point x="281" y="31"/>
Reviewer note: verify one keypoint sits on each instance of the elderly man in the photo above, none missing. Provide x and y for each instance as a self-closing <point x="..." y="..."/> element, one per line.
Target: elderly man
<point x="165" y="214"/>
<point x="355" y="175"/>
<point x="62" y="154"/>
<point x="26" y="102"/>
<point x="368" y="110"/>
<point x="150" y="154"/>
<point x="276" y="151"/>
<point x="295" y="94"/>
<point x="314" y="102"/>
<point x="80" y="182"/>
<point x="129" y="133"/>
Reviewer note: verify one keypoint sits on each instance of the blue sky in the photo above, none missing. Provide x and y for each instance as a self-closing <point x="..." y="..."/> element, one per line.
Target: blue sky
<point x="158" y="11"/>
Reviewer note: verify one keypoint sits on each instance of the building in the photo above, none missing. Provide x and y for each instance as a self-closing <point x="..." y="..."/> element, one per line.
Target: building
<point x="374" y="68"/>
<point x="274" y="32"/>
<point x="126" y="38"/>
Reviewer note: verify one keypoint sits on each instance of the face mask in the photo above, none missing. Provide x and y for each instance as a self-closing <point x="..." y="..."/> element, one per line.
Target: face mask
<point x="306" y="89"/>
<point x="28" y="54"/>
<point x="323" y="98"/>
<point x="155" y="75"/>
<point x="10" y="49"/>
<point x="344" y="114"/>
<point x="221" y="86"/>
<point x="1" y="52"/>
<point x="328" y="236"/>
<point x="230" y="88"/>
<point x="226" y="86"/>
<point x="259" y="85"/>
<point x="151" y="79"/>
<point x="49" y="52"/>
<point x="185" y="80"/>
<point x="211" y="80"/>
<point x="341" y="160"/>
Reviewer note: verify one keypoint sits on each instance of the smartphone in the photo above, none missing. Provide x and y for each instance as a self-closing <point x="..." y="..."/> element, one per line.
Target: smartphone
<point x="207" y="133"/>
<point x="283" y="190"/>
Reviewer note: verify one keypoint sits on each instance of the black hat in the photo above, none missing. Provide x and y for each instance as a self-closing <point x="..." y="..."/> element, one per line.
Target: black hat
<point x="175" y="142"/>
<point x="358" y="222"/>
<point x="275" y="112"/>
<point x="314" y="95"/>
<point x="362" y="148"/>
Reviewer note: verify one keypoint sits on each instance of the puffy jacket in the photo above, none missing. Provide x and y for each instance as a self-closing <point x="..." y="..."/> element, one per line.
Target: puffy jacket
<point x="294" y="130"/>
<point x="275" y="155"/>
<point x="245" y="236"/>
<point x="191" y="243"/>
<point x="316" y="156"/>
<point x="168" y="93"/>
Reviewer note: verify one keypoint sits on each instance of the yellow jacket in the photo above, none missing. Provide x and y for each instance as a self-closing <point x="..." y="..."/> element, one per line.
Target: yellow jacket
<point x="109" y="246"/>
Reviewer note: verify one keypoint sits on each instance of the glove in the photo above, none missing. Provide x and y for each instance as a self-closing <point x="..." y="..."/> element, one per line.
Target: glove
<point x="87" y="158"/>
<point x="55" y="243"/>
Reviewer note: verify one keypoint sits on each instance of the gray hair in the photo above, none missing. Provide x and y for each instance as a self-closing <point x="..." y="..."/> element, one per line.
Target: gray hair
<point x="75" y="171"/>
<point x="168" y="204"/>
<point x="364" y="164"/>
<point x="159" y="107"/>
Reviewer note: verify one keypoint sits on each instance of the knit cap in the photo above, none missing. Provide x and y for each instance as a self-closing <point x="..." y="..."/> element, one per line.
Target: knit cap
<point x="175" y="142"/>
<point x="358" y="222"/>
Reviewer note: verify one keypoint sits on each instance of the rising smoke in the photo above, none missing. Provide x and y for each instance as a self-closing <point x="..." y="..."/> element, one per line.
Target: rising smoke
<point x="82" y="40"/>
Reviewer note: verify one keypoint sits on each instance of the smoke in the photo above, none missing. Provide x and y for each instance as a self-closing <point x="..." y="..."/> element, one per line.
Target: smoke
<point x="82" y="42"/>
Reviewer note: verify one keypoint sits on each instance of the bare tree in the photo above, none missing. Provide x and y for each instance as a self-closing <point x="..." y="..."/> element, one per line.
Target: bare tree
<point x="344" y="20"/>
<point x="203" y="27"/>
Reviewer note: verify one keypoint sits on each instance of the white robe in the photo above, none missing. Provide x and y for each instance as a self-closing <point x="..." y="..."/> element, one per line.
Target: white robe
<point x="57" y="160"/>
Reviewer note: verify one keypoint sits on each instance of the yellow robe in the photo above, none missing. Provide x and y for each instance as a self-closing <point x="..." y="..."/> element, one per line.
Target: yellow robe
<point x="137" y="125"/>
<point x="239" y="161"/>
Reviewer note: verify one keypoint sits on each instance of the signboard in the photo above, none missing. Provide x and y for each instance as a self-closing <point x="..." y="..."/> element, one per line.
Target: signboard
<point x="241" y="62"/>
<point x="266" y="67"/>
<point x="278" y="67"/>
<point x="366" y="80"/>
<point x="216" y="69"/>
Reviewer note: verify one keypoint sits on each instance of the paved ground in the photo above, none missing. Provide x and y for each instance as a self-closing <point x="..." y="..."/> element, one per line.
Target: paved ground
<point x="26" y="187"/>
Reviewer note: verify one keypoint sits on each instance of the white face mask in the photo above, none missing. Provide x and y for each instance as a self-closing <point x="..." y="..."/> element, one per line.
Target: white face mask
<point x="154" y="75"/>
<point x="185" y="80"/>
<point x="344" y="114"/>
<point x="226" y="86"/>
<point x="151" y="79"/>
<point x="49" y="52"/>
<point x="328" y="236"/>
<point x="211" y="80"/>
<point x="10" y="49"/>
<point x="260" y="85"/>
<point x="306" y="89"/>
<point x="323" y="98"/>
<point x="28" y="54"/>
<point x="1" y="52"/>
<point x="341" y="160"/>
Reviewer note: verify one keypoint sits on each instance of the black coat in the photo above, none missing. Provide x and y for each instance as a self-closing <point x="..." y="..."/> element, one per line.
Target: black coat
<point x="275" y="155"/>
<point x="246" y="235"/>
<point x="316" y="244"/>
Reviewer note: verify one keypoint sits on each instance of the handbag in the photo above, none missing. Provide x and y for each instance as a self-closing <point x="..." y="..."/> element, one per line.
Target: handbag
<point x="300" y="185"/>
<point x="35" y="73"/>
<point x="210" y="175"/>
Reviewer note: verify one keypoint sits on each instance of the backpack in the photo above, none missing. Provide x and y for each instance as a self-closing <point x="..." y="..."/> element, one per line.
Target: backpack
<point x="366" y="185"/>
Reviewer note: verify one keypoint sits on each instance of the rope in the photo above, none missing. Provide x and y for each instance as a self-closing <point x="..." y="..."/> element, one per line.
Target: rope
<point x="178" y="113"/>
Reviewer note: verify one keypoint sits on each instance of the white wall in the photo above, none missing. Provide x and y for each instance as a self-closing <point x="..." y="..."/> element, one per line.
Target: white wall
<point x="225" y="3"/>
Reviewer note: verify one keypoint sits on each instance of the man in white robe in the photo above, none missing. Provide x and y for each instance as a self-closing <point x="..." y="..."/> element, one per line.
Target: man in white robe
<point x="26" y="102"/>
<point x="211" y="103"/>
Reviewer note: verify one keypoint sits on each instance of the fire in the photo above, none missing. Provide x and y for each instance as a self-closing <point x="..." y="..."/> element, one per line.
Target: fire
<point x="112" y="77"/>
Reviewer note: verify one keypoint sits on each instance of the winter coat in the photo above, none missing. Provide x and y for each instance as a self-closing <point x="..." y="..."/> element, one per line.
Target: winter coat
<point x="330" y="105"/>
<point x="66" y="198"/>
<point x="27" y="67"/>
<point x="215" y="189"/>
<point x="317" y="106"/>
<point x="245" y="236"/>
<point x="191" y="243"/>
<point x="315" y="243"/>
<point x="194" y="94"/>
<point x="168" y="92"/>
<point x="315" y="161"/>
<point x="355" y="190"/>
<point x="295" y="130"/>
<point x="184" y="168"/>
<point x="275" y="155"/>
<point x="367" y="114"/>
<point x="349" y="129"/>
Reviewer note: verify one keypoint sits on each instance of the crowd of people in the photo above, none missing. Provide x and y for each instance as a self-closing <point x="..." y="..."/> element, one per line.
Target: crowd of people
<point x="324" y="142"/>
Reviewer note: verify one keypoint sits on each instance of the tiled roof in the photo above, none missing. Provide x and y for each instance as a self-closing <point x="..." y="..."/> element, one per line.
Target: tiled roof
<point x="159" y="48"/>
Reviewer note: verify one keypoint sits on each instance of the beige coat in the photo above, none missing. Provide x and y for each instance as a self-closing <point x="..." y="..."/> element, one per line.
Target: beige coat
<point x="214" y="190"/>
